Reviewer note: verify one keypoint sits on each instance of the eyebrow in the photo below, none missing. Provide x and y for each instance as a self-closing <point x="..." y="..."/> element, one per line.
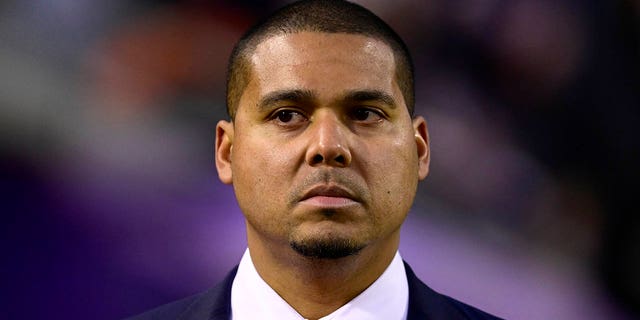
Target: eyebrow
<point x="290" y="95"/>
<point x="303" y="96"/>
<point x="370" y="95"/>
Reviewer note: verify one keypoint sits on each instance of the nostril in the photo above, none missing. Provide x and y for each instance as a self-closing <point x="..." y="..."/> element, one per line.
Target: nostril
<point x="331" y="160"/>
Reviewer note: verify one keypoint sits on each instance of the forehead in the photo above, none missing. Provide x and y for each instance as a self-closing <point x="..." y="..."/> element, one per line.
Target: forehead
<point x="322" y="62"/>
<point x="304" y="44"/>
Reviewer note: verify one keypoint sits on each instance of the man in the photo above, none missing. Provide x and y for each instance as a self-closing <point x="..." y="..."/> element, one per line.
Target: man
<point x="324" y="155"/>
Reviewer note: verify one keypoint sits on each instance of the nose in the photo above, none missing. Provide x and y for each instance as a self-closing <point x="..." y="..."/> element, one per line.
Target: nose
<point x="329" y="143"/>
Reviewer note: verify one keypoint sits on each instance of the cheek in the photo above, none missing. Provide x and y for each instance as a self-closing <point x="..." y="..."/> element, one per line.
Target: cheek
<point x="252" y="182"/>
<point x="394" y="173"/>
<point x="259" y="168"/>
<point x="398" y="158"/>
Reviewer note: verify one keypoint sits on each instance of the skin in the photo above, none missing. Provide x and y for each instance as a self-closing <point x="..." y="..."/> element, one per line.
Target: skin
<point x="322" y="150"/>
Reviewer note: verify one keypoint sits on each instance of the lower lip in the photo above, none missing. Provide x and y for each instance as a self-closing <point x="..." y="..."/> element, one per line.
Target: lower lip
<point x="329" y="202"/>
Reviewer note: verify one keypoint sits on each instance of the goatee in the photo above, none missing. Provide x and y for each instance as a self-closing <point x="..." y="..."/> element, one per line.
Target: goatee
<point x="326" y="249"/>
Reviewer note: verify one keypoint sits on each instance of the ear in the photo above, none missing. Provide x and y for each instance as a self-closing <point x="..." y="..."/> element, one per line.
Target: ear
<point x="422" y="143"/>
<point x="224" y="148"/>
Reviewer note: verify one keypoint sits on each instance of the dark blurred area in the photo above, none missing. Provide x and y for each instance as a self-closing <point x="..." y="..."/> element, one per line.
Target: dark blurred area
<point x="111" y="203"/>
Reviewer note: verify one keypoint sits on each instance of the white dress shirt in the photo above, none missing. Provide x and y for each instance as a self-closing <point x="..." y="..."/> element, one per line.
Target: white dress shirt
<point x="387" y="298"/>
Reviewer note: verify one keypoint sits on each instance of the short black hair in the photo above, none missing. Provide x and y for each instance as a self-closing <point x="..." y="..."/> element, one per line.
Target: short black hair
<point x="330" y="16"/>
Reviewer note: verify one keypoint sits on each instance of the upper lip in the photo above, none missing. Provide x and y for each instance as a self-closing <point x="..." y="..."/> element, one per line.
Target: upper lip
<point x="328" y="191"/>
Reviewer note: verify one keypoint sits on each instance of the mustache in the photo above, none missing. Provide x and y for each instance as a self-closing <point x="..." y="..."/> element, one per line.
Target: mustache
<point x="329" y="177"/>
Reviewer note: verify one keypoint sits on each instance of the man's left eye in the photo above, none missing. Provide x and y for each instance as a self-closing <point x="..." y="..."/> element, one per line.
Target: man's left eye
<point x="366" y="114"/>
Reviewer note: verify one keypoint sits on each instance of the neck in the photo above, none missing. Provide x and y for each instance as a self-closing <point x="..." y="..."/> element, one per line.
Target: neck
<point x="316" y="287"/>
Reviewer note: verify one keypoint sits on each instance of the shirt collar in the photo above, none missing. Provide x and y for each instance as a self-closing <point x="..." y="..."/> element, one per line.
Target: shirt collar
<point x="386" y="298"/>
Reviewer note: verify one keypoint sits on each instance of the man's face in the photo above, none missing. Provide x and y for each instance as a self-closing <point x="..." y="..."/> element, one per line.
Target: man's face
<point x="322" y="154"/>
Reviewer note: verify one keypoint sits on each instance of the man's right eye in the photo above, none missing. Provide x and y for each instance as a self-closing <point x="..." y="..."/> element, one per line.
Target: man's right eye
<point x="288" y="117"/>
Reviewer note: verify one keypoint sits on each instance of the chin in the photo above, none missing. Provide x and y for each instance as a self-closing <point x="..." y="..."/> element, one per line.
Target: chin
<point x="327" y="247"/>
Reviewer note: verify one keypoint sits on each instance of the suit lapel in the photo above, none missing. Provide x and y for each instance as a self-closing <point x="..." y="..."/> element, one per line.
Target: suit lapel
<point x="214" y="304"/>
<point x="424" y="303"/>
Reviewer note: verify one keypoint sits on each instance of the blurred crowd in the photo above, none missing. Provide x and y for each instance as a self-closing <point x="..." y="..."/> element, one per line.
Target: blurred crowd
<point x="111" y="202"/>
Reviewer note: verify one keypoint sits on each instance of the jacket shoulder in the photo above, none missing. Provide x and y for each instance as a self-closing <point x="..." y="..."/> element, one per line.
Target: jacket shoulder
<point x="212" y="304"/>
<point x="168" y="311"/>
<point x="470" y="312"/>
<point x="426" y="303"/>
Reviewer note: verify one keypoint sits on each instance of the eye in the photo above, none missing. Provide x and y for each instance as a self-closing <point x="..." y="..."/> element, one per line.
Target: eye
<point x="366" y="115"/>
<point x="288" y="117"/>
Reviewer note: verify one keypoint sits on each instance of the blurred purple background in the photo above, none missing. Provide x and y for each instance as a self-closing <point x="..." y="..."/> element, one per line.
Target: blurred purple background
<point x="111" y="203"/>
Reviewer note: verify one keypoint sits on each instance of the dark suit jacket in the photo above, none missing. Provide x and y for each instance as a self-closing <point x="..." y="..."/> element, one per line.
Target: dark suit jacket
<point x="215" y="304"/>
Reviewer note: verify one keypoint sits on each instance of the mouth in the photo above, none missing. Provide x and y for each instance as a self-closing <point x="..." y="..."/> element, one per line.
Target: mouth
<point x="325" y="196"/>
